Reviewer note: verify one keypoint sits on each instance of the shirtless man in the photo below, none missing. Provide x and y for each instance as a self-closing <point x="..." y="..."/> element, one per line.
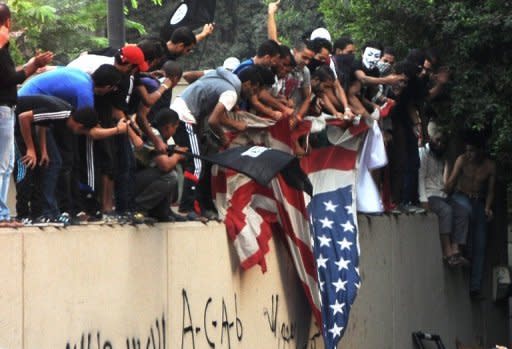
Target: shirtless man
<point x="473" y="178"/>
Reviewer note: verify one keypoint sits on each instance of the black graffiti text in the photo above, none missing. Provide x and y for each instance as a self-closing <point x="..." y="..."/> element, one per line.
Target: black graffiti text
<point x="218" y="321"/>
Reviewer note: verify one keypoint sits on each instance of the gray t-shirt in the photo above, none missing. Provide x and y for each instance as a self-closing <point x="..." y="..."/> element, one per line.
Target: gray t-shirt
<point x="296" y="82"/>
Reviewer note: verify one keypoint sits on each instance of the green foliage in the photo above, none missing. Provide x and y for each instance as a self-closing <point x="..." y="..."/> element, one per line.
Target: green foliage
<point x="66" y="27"/>
<point x="474" y="40"/>
<point x="240" y="27"/>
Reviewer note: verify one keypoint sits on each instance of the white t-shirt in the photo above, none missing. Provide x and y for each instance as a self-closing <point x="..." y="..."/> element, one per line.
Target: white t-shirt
<point x="89" y="63"/>
<point x="227" y="98"/>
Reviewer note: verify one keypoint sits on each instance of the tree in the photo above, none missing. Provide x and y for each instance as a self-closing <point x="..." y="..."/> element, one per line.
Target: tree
<point x="240" y="27"/>
<point x="472" y="37"/>
<point x="66" y="27"/>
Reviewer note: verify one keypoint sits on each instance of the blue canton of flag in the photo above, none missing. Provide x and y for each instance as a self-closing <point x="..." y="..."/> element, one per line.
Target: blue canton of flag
<point x="336" y="251"/>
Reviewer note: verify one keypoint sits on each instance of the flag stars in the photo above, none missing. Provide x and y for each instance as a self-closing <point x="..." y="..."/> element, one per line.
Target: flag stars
<point x="348" y="227"/>
<point x="337" y="307"/>
<point x="340" y="285"/>
<point x="322" y="262"/>
<point x="329" y="206"/>
<point x="342" y="264"/>
<point x="324" y="241"/>
<point x="345" y="244"/>
<point x="350" y="209"/>
<point x="336" y="331"/>
<point x="326" y="223"/>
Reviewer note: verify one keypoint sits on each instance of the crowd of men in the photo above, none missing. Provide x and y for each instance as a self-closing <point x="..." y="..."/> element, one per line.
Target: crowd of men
<point x="100" y="139"/>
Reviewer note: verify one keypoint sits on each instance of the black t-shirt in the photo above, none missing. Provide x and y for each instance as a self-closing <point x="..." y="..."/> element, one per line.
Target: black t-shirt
<point x="345" y="69"/>
<point x="358" y="65"/>
<point x="367" y="91"/>
<point x="47" y="110"/>
<point x="126" y="90"/>
<point x="125" y="98"/>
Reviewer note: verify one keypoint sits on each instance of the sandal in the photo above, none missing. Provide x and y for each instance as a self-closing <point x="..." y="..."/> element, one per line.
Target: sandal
<point x="451" y="261"/>
<point x="461" y="260"/>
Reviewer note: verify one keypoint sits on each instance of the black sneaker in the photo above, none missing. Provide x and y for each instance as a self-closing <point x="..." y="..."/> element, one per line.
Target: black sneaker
<point x="25" y="220"/>
<point x="41" y="221"/>
<point x="64" y="219"/>
<point x="211" y="215"/>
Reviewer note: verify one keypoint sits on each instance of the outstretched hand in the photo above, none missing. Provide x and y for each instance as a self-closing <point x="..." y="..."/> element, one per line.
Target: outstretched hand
<point x="43" y="58"/>
<point x="208" y="29"/>
<point x="273" y="7"/>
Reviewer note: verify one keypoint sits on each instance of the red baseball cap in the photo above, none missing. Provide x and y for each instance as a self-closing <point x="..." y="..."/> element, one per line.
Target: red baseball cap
<point x="134" y="55"/>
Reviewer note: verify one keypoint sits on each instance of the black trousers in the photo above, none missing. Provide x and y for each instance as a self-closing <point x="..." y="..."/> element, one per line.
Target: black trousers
<point x="155" y="191"/>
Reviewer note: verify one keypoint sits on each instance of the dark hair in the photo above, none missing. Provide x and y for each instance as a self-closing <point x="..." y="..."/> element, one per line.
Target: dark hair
<point x="5" y="13"/>
<point x="251" y="74"/>
<point x="106" y="75"/>
<point x="88" y="117"/>
<point x="320" y="43"/>
<point x="284" y="51"/>
<point x="268" y="47"/>
<point x="416" y="56"/>
<point x="172" y="69"/>
<point x="372" y="44"/>
<point x="302" y="44"/>
<point x="163" y="117"/>
<point x="388" y="50"/>
<point x="342" y="43"/>
<point x="477" y="139"/>
<point x="267" y="76"/>
<point x="405" y="67"/>
<point x="152" y="48"/>
<point x="433" y="56"/>
<point x="323" y="73"/>
<point x="183" y="35"/>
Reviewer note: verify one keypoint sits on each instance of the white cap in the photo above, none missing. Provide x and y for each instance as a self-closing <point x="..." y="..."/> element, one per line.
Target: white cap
<point x="321" y="33"/>
<point x="231" y="63"/>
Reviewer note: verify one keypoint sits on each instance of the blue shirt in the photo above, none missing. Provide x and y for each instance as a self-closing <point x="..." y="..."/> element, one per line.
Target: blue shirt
<point x="245" y="64"/>
<point x="69" y="84"/>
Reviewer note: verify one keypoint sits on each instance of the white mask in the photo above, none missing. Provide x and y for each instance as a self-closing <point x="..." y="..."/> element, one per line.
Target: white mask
<point x="370" y="57"/>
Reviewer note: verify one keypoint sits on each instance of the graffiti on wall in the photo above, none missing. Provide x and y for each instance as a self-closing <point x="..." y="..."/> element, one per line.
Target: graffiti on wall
<point x="218" y="325"/>
<point x="155" y="339"/>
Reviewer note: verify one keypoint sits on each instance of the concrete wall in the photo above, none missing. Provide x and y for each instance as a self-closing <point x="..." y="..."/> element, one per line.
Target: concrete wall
<point x="179" y="286"/>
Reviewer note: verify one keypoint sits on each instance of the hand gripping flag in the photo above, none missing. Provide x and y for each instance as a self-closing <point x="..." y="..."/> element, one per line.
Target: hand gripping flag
<point x="189" y="13"/>
<point x="320" y="230"/>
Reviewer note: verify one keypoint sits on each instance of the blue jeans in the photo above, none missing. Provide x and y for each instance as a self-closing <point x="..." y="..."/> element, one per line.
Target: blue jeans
<point x="50" y="177"/>
<point x="478" y="236"/>
<point x="6" y="157"/>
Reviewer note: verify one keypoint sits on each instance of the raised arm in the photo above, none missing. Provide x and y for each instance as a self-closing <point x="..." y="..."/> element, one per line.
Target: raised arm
<point x="271" y="22"/>
<point x="207" y="31"/>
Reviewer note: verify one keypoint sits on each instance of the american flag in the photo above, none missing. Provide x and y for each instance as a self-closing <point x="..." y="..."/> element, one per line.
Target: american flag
<point x="320" y="231"/>
<point x="333" y="223"/>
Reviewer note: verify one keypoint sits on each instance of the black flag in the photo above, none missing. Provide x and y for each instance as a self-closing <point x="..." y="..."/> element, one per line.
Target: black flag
<point x="261" y="164"/>
<point x="189" y="13"/>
